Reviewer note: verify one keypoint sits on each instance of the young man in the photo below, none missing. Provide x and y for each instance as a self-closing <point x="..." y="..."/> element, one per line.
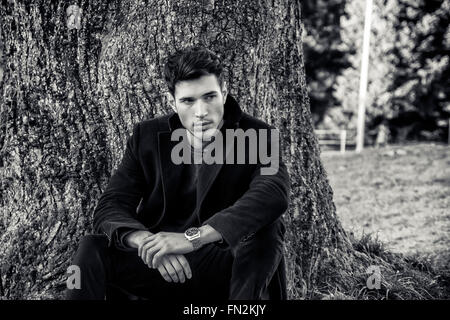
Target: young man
<point x="191" y="229"/>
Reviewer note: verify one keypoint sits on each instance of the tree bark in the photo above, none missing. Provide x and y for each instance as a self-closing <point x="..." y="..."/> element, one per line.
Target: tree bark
<point x="70" y="97"/>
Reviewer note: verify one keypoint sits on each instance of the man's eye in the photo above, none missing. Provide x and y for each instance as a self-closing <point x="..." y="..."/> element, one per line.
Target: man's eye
<point x="209" y="98"/>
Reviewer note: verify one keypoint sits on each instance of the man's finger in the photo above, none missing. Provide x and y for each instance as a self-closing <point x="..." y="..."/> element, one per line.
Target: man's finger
<point x="143" y="249"/>
<point x="148" y="255"/>
<point x="178" y="268"/>
<point x="158" y="256"/>
<point x="185" y="265"/>
<point x="144" y="242"/>
<point x="170" y="269"/>
<point x="162" y="270"/>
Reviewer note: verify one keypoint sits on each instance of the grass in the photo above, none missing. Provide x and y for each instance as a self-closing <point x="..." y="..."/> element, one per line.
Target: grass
<point x="395" y="203"/>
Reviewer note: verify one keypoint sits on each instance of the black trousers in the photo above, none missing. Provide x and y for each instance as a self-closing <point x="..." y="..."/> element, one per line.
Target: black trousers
<point x="240" y="273"/>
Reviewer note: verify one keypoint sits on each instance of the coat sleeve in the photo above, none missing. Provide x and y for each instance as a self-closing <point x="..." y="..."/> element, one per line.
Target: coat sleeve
<point x="266" y="199"/>
<point x="117" y="205"/>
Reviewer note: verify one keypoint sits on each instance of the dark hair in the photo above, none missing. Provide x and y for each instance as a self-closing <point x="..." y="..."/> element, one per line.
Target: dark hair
<point x="191" y="63"/>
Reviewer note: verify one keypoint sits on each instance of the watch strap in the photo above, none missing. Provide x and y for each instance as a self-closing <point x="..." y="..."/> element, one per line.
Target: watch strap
<point x="196" y="243"/>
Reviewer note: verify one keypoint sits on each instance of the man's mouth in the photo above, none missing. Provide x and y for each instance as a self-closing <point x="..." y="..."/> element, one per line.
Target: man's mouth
<point x="202" y="125"/>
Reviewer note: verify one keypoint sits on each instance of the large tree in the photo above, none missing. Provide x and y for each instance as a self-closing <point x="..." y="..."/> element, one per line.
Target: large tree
<point x="71" y="94"/>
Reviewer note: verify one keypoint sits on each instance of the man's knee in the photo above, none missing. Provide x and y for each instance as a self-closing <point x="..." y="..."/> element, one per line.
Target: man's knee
<point x="91" y="248"/>
<point x="259" y="255"/>
<point x="94" y="241"/>
<point x="256" y="260"/>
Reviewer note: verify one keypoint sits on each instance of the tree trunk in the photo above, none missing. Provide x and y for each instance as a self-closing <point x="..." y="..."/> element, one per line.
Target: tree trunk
<point x="70" y="96"/>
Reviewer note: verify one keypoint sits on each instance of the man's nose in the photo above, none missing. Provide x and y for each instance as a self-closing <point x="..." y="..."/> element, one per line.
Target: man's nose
<point x="201" y="110"/>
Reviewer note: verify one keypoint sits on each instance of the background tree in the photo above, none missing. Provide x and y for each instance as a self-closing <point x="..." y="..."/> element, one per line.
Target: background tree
<point x="381" y="63"/>
<point x="408" y="67"/>
<point x="422" y="82"/>
<point x="324" y="56"/>
<point x="70" y="97"/>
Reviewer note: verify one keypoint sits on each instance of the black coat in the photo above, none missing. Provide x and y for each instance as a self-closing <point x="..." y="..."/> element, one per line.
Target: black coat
<point x="234" y="199"/>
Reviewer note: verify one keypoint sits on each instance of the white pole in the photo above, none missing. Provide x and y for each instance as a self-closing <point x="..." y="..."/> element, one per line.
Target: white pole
<point x="363" y="78"/>
<point x="343" y="140"/>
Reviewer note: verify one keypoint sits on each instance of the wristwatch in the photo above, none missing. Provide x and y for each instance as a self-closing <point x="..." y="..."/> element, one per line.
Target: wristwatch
<point x="193" y="235"/>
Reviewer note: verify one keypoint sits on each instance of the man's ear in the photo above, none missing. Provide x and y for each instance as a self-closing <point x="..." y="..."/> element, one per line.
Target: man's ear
<point x="171" y="101"/>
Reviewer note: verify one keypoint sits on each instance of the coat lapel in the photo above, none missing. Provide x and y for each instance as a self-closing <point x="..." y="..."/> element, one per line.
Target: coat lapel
<point x="170" y="172"/>
<point x="208" y="174"/>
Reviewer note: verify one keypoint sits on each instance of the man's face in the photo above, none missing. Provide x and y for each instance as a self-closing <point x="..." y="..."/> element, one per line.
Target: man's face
<point x="200" y="105"/>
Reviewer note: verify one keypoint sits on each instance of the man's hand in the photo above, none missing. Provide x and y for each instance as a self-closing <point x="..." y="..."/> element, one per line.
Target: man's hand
<point x="155" y="247"/>
<point x="136" y="238"/>
<point x="165" y="250"/>
<point x="174" y="267"/>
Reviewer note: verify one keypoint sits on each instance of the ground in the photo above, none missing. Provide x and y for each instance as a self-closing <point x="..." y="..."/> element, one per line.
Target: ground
<point x="400" y="194"/>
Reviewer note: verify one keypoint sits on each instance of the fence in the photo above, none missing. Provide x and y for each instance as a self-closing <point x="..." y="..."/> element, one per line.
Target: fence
<point x="334" y="138"/>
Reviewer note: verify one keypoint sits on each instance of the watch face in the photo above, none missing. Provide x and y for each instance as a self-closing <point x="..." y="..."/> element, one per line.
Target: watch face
<point x="192" y="232"/>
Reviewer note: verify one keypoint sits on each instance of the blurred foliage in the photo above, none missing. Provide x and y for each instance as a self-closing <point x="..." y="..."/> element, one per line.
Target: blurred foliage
<point x="408" y="86"/>
<point x="323" y="55"/>
<point x="421" y="82"/>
